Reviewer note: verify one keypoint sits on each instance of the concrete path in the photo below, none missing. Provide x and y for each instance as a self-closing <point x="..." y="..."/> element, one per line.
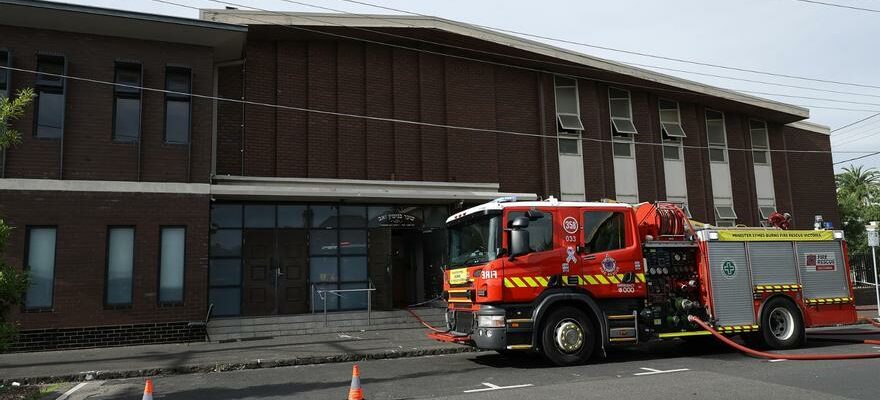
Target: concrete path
<point x="134" y="361"/>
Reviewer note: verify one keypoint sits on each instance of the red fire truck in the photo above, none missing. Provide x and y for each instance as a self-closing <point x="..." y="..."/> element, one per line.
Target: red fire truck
<point x="569" y="279"/>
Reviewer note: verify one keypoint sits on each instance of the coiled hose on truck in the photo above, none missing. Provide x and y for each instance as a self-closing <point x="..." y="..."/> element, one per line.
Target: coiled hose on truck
<point x="777" y="356"/>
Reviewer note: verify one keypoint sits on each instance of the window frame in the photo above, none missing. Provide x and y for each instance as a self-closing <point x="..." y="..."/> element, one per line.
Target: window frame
<point x="715" y="146"/>
<point x="614" y="127"/>
<point x="107" y="304"/>
<point x="559" y="141"/>
<point x="664" y="132"/>
<point x="48" y="86"/>
<point x="725" y="223"/>
<point x="719" y="215"/>
<point x="763" y="148"/>
<point x="4" y="91"/>
<point x="624" y="235"/>
<point x="127" y="93"/>
<point x="761" y="211"/>
<point x="561" y="127"/>
<point x="178" y="97"/>
<point x="546" y="214"/>
<point x="26" y="267"/>
<point x="182" y="300"/>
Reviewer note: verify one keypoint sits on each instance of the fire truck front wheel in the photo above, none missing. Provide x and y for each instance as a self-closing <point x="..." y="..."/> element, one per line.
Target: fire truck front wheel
<point x="782" y="326"/>
<point x="567" y="337"/>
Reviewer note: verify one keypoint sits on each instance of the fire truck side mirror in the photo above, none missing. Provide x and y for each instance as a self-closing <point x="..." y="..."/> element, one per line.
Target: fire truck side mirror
<point x="519" y="237"/>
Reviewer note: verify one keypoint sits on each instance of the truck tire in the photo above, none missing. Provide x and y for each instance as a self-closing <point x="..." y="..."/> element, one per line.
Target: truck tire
<point x="782" y="326"/>
<point x="567" y="337"/>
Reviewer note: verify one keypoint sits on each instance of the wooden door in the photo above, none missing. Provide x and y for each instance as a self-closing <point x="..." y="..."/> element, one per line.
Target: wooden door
<point x="258" y="282"/>
<point x="293" y="256"/>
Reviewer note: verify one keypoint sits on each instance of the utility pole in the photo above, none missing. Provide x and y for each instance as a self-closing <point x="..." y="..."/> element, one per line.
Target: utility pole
<point x="874" y="241"/>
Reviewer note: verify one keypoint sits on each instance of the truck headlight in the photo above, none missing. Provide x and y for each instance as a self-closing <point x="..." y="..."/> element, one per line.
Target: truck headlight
<point x="490" y="321"/>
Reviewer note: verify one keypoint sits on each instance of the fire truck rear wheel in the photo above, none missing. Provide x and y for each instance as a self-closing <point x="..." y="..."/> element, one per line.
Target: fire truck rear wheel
<point x="567" y="337"/>
<point x="782" y="326"/>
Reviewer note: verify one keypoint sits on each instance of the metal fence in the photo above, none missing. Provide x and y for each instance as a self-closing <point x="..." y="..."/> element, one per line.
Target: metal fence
<point x="862" y="270"/>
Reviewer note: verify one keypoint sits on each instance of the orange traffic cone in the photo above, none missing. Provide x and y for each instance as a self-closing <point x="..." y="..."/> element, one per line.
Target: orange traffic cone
<point x="148" y="390"/>
<point x="355" y="393"/>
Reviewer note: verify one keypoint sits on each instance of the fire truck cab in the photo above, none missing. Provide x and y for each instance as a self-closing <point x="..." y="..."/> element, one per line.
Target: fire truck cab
<point x="569" y="279"/>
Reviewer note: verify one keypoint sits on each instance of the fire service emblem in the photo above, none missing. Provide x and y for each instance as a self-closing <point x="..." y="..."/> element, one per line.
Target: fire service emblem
<point x="609" y="265"/>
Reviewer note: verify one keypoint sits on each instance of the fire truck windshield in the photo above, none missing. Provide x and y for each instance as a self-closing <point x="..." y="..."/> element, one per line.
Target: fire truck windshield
<point x="475" y="241"/>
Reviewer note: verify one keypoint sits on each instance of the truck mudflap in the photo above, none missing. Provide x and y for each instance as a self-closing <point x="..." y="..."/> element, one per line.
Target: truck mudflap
<point x="450" y="337"/>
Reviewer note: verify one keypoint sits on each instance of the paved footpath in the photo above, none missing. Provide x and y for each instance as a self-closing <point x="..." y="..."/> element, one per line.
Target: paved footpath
<point x="167" y="359"/>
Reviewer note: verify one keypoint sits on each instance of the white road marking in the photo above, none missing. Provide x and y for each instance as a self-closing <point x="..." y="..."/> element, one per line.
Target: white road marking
<point x="496" y="387"/>
<point x="652" y="371"/>
<point x="776" y="360"/>
<point x="70" y="392"/>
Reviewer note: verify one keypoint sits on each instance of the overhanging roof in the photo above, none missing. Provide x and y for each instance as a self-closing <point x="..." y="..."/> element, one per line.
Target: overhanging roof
<point x="227" y="40"/>
<point x="784" y="112"/>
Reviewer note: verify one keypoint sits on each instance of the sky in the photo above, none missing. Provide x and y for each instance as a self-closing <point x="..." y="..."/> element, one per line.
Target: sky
<point x="790" y="37"/>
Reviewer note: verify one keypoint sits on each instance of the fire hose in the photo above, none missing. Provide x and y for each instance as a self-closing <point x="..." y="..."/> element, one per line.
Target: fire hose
<point x="409" y="308"/>
<point x="777" y="356"/>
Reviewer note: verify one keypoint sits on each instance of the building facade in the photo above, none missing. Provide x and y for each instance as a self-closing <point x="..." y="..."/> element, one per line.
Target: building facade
<point x="246" y="161"/>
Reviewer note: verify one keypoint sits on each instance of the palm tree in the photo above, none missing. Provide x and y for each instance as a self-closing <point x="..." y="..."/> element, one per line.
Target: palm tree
<point x="858" y="183"/>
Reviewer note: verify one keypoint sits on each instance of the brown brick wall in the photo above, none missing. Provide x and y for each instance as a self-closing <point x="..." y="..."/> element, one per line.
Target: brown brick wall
<point x="82" y="219"/>
<point x="811" y="177"/>
<point x="89" y="151"/>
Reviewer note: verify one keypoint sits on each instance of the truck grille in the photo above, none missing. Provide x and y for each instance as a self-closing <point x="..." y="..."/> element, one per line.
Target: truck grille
<point x="460" y="321"/>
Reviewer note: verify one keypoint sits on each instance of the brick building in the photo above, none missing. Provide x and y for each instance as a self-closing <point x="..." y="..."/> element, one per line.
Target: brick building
<point x="357" y="137"/>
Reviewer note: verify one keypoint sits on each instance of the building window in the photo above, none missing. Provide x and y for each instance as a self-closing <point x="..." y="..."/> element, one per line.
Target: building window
<point x="725" y="216"/>
<point x="569" y="146"/>
<point x="5" y="61"/>
<point x="178" y="105"/>
<point x="171" y="264"/>
<point x="127" y="102"/>
<point x="540" y="231"/>
<point x="50" y="97"/>
<point x="40" y="263"/>
<point x="717" y="136"/>
<point x="670" y="129"/>
<point x="622" y="127"/>
<point x="120" y="265"/>
<point x="568" y="113"/>
<point x="760" y="142"/>
<point x="604" y="231"/>
<point x="766" y="211"/>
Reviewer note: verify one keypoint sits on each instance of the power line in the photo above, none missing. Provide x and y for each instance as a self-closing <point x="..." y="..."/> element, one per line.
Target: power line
<point x="856" y="122"/>
<point x="839" y="6"/>
<point x="632" y="52"/>
<point x="861" y="135"/>
<point x="857" y="158"/>
<point x="392" y="120"/>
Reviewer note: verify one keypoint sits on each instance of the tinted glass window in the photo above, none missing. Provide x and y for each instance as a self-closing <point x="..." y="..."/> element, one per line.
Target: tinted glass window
<point x="177" y="121"/>
<point x="716" y="155"/>
<point x="51" y="65"/>
<point x="227" y="301"/>
<point x="226" y="272"/>
<point x="40" y="262"/>
<point x="569" y="146"/>
<point x="172" y="265"/>
<point x="566" y="100"/>
<point x="50" y="114"/>
<point x="226" y="216"/>
<point x="259" y="216"/>
<point x="540" y="231"/>
<point x="604" y="231"/>
<point x="353" y="241"/>
<point x="4" y="61"/>
<point x="120" y="265"/>
<point x="353" y="216"/>
<point x="128" y="74"/>
<point x="127" y="125"/>
<point x="292" y="216"/>
<point x="177" y="80"/>
<point x="324" y="217"/>
<point x="323" y="242"/>
<point x="353" y="269"/>
<point x="323" y="269"/>
<point x="226" y="243"/>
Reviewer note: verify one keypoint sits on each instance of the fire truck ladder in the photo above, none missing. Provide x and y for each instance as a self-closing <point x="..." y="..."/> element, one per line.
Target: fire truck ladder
<point x="623" y="328"/>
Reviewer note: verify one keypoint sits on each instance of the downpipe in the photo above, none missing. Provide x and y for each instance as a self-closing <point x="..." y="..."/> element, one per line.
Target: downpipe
<point x="777" y="356"/>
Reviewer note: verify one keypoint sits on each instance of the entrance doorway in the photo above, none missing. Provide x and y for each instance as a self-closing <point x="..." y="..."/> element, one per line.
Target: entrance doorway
<point x="415" y="260"/>
<point x="275" y="264"/>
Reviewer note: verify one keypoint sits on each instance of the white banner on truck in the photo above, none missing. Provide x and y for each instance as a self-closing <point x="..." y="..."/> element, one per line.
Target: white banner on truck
<point x="820" y="262"/>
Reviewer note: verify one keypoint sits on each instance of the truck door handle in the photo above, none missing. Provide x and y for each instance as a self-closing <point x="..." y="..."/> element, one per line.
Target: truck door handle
<point x="589" y="258"/>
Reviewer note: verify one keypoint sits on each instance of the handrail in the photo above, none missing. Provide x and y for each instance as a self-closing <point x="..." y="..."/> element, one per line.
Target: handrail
<point x="339" y="293"/>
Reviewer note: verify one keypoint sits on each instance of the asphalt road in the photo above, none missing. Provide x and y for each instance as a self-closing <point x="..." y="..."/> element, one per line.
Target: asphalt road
<point x="673" y="370"/>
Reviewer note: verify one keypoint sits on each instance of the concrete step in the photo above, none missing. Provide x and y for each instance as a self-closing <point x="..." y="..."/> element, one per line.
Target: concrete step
<point x="308" y="324"/>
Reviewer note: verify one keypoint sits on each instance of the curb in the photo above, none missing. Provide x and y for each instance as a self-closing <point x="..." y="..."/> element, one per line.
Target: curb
<point x="224" y="367"/>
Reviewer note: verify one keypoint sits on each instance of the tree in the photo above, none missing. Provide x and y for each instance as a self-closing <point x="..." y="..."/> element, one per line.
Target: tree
<point x="13" y="282"/>
<point x="858" y="193"/>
